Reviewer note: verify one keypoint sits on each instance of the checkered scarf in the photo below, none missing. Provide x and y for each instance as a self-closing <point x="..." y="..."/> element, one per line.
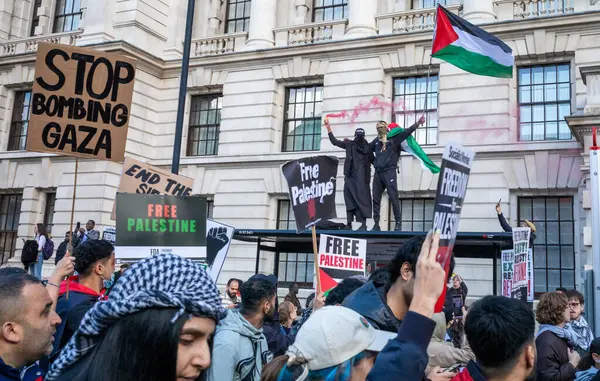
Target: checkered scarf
<point x="159" y="281"/>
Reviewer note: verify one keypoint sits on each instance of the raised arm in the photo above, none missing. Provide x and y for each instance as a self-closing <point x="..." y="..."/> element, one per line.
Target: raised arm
<point x="399" y="138"/>
<point x="332" y="139"/>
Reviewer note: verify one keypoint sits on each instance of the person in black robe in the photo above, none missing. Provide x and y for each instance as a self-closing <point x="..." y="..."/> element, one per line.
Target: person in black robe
<point x="357" y="175"/>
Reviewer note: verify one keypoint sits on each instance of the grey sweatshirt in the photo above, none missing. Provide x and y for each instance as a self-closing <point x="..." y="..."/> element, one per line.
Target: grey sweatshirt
<point x="239" y="350"/>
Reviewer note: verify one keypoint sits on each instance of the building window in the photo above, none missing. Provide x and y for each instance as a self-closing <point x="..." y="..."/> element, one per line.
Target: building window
<point x="544" y="101"/>
<point x="409" y="106"/>
<point x="68" y="14"/>
<point x="416" y="214"/>
<point x="418" y="4"/>
<point x="10" y="210"/>
<point x="35" y="21"/>
<point x="49" y="211"/>
<point x="329" y="10"/>
<point x="293" y="267"/>
<point x="210" y="207"/>
<point x="238" y="16"/>
<point x="205" y="120"/>
<point x="20" y="120"/>
<point x="553" y="248"/>
<point x="302" y="125"/>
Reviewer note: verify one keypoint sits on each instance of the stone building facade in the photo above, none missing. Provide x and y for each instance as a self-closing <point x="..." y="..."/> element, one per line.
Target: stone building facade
<point x="262" y="75"/>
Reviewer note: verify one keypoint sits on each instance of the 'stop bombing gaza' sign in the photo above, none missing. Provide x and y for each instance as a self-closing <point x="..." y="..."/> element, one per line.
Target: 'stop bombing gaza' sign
<point x="81" y="102"/>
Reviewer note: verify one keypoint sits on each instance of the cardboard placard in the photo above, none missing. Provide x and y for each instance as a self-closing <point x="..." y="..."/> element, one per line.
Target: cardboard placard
<point x="312" y="182"/>
<point x="521" y="271"/>
<point x="143" y="178"/>
<point x="507" y="272"/>
<point x="80" y="102"/>
<point x="157" y="224"/>
<point x="340" y="258"/>
<point x="218" y="241"/>
<point x="109" y="234"/>
<point x="449" y="198"/>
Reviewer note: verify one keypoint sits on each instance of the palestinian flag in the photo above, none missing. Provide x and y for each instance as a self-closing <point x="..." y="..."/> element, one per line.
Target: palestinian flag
<point x="411" y="146"/>
<point x="470" y="48"/>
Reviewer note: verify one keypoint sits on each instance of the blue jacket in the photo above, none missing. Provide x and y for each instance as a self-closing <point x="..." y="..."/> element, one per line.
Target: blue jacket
<point x="405" y="357"/>
<point x="28" y="373"/>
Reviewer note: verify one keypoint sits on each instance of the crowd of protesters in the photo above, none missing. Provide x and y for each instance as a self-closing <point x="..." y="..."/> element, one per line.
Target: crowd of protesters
<point x="135" y="325"/>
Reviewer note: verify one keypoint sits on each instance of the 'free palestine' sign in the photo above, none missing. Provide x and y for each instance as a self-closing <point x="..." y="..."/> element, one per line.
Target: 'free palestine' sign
<point x="156" y="224"/>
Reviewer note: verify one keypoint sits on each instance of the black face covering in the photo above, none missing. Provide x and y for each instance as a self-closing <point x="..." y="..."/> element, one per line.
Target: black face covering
<point x="360" y="141"/>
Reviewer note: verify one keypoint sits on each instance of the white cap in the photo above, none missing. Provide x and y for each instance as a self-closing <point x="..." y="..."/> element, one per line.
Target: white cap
<point x="335" y="334"/>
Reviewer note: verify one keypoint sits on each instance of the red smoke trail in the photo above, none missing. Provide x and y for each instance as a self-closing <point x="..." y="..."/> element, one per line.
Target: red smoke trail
<point x="374" y="104"/>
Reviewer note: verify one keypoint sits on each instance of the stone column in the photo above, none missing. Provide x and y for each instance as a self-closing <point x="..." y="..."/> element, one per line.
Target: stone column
<point x="214" y="18"/>
<point x="301" y="11"/>
<point x="591" y="79"/>
<point x="478" y="11"/>
<point x="263" y="17"/>
<point x="361" y="21"/>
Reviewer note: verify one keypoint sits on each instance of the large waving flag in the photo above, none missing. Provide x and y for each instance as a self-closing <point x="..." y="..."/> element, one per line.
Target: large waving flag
<point x="411" y="146"/>
<point x="470" y="48"/>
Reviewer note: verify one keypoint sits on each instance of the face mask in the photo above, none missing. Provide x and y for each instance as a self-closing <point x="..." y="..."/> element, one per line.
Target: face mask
<point x="108" y="283"/>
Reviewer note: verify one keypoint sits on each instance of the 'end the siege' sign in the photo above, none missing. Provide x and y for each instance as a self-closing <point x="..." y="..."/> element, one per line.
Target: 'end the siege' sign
<point x="340" y="258"/>
<point x="157" y="224"/>
<point x="80" y="102"/>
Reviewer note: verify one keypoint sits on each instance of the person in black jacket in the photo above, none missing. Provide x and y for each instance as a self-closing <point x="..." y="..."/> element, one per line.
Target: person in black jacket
<point x="62" y="248"/>
<point x="387" y="153"/>
<point x="507" y="228"/>
<point x="95" y="264"/>
<point x="357" y="175"/>
<point x="458" y="288"/>
<point x="557" y="359"/>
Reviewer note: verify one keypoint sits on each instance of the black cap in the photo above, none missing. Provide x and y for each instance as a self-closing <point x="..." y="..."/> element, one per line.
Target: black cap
<point x="271" y="278"/>
<point x="359" y="132"/>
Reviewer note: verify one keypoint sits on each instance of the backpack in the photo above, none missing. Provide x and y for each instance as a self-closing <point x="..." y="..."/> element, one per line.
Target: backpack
<point x="48" y="249"/>
<point x="30" y="252"/>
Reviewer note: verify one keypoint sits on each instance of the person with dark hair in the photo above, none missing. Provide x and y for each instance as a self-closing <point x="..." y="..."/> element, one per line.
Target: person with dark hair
<point x="357" y="175"/>
<point x="380" y="275"/>
<point x="578" y="325"/>
<point x="292" y="297"/>
<point x="346" y="287"/>
<point x="557" y="359"/>
<point x="387" y="154"/>
<point x="386" y="305"/>
<point x="309" y="299"/>
<point x="459" y="288"/>
<point x="230" y="298"/>
<point x="590" y="362"/>
<point x="500" y="331"/>
<point x="95" y="265"/>
<point x="89" y="233"/>
<point x="62" y="248"/>
<point x="41" y="236"/>
<point x="561" y="290"/>
<point x="27" y="323"/>
<point x="153" y="328"/>
<point x="239" y="343"/>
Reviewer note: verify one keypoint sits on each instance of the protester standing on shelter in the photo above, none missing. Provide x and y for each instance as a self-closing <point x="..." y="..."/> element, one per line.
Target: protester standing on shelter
<point x="292" y="297"/>
<point x="40" y="238"/>
<point x="507" y="228"/>
<point x="500" y="332"/>
<point x="578" y="325"/>
<point x="153" y="328"/>
<point x="557" y="358"/>
<point x="387" y="154"/>
<point x="239" y="345"/>
<point x="89" y="233"/>
<point x="95" y="265"/>
<point x="357" y="175"/>
<point x="230" y="298"/>
<point x="27" y="323"/>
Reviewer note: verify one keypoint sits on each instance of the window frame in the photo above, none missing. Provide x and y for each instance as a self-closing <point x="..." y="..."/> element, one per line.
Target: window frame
<point x="315" y="119"/>
<point x="210" y="208"/>
<point x="416" y="3"/>
<point x="544" y="103"/>
<point x="72" y="14"/>
<point x="283" y="257"/>
<point x="245" y="20"/>
<point x="333" y="7"/>
<point x="196" y="101"/>
<point x="407" y="114"/>
<point x="12" y="234"/>
<point x="49" y="210"/>
<point x="14" y="141"/>
<point x="35" y="17"/>
<point x="412" y="221"/>
<point x="560" y="245"/>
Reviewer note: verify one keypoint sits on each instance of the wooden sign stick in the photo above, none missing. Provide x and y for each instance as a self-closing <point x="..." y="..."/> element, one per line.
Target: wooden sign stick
<point x="70" y="251"/>
<point x="316" y="251"/>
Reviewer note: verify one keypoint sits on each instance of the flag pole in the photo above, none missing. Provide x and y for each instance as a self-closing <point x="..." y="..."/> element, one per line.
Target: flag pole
<point x="427" y="85"/>
<point x="316" y="253"/>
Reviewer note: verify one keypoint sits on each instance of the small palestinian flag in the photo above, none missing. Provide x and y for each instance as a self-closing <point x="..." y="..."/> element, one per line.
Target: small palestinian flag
<point x="411" y="146"/>
<point x="470" y="48"/>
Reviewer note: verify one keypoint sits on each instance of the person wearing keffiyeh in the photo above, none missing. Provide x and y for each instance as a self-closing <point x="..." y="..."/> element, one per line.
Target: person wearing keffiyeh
<point x="578" y="325"/>
<point x="163" y="308"/>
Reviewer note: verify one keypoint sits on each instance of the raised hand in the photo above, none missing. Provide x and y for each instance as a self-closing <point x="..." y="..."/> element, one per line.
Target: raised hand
<point x="422" y="120"/>
<point x="327" y="125"/>
<point x="216" y="239"/>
